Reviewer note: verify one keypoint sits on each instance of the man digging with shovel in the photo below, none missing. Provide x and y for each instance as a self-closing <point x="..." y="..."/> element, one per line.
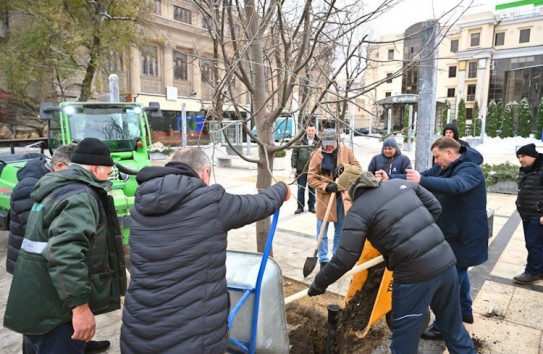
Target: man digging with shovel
<point x="323" y="170"/>
<point x="398" y="218"/>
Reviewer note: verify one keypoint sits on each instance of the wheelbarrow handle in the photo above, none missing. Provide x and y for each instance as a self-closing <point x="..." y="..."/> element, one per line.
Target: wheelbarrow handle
<point x="353" y="271"/>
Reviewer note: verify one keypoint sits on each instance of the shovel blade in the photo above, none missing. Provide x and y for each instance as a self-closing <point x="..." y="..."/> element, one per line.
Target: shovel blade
<point x="309" y="265"/>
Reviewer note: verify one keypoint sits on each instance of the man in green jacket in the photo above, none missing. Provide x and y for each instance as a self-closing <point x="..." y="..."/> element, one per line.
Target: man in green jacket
<point x="71" y="265"/>
<point x="300" y="165"/>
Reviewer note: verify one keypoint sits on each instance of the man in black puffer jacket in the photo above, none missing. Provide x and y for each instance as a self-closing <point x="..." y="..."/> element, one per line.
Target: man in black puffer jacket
<point x="398" y="218"/>
<point x="177" y="301"/>
<point x="530" y="207"/>
<point x="20" y="203"/>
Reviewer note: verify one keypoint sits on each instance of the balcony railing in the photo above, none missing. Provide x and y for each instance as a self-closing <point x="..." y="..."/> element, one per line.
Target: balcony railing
<point x="470" y="98"/>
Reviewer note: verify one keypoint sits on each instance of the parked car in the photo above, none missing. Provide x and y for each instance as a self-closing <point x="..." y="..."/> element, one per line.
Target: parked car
<point x="361" y="131"/>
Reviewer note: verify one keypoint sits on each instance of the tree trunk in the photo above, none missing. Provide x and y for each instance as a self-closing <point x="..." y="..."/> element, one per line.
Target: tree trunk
<point x="86" y="86"/>
<point x="263" y="127"/>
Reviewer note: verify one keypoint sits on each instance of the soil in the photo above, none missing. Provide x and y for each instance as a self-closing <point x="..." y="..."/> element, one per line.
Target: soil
<point x="307" y="319"/>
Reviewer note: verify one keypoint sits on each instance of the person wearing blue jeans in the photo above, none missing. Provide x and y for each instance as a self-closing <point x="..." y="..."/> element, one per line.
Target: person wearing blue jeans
<point x="530" y="208"/>
<point x="398" y="218"/>
<point x="338" y="227"/>
<point x="456" y="180"/>
<point x="324" y="167"/>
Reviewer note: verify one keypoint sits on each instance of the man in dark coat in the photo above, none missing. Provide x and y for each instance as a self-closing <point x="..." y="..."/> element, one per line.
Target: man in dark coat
<point x="458" y="183"/>
<point x="20" y="205"/>
<point x="300" y="165"/>
<point x="451" y="131"/>
<point x="530" y="207"/>
<point x="390" y="160"/>
<point x="177" y="301"/>
<point x="70" y="265"/>
<point x="20" y="202"/>
<point x="397" y="217"/>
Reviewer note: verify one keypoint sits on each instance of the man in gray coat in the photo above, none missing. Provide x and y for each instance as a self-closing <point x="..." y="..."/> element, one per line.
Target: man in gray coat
<point x="398" y="218"/>
<point x="177" y="301"/>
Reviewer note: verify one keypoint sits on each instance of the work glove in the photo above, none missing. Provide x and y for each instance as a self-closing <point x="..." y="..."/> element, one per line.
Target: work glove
<point x="331" y="188"/>
<point x="314" y="290"/>
<point x="289" y="193"/>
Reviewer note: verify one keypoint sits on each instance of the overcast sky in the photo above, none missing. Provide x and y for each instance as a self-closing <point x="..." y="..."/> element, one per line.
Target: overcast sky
<point x="410" y="12"/>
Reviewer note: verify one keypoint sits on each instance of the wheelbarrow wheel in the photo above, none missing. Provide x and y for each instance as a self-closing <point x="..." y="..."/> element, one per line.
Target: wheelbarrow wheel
<point x="426" y="321"/>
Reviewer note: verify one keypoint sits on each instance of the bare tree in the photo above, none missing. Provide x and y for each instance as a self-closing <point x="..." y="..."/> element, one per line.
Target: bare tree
<point x="305" y="57"/>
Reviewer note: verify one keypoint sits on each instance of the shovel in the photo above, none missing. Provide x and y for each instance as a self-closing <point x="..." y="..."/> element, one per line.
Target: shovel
<point x="311" y="262"/>
<point x="356" y="269"/>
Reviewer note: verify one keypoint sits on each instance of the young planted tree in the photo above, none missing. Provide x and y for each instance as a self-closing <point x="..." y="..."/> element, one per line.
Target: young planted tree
<point x="63" y="43"/>
<point x="539" y="120"/>
<point x="507" y="125"/>
<point x="461" y="118"/>
<point x="491" y="127"/>
<point x="306" y="57"/>
<point x="524" y="119"/>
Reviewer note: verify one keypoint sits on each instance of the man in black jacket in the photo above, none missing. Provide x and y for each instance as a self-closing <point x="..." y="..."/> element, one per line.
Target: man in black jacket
<point x="20" y="202"/>
<point x="398" y="218"/>
<point x="178" y="300"/>
<point x="530" y="207"/>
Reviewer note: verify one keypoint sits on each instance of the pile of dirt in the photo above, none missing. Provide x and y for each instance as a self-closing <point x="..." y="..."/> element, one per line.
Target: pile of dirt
<point x="307" y="319"/>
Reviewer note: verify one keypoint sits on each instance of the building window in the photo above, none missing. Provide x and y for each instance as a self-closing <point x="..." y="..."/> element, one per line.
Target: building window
<point x="451" y="92"/>
<point x="454" y="45"/>
<point x="157" y="7"/>
<point x="475" y="39"/>
<point x="452" y="71"/>
<point x="389" y="78"/>
<point x="524" y="35"/>
<point x="499" y="38"/>
<point x="388" y="94"/>
<point x="149" y="61"/>
<point x="471" y="93"/>
<point x="472" y="70"/>
<point x="390" y="54"/>
<point x="206" y="67"/>
<point x="113" y="61"/>
<point x="180" y="65"/>
<point x="182" y="15"/>
<point x="469" y="114"/>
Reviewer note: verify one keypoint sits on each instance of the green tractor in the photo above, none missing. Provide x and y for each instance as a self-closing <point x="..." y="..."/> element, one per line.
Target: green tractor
<point x="124" y="127"/>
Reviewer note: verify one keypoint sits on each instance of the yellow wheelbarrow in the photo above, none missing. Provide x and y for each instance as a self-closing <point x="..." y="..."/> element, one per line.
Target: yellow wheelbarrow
<point x="383" y="301"/>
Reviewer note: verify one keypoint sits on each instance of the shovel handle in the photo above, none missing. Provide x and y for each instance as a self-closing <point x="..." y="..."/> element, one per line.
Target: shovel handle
<point x="353" y="271"/>
<point x="325" y="220"/>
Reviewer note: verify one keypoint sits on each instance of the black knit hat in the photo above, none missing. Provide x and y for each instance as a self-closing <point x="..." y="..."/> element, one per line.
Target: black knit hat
<point x="527" y="150"/>
<point x="92" y="151"/>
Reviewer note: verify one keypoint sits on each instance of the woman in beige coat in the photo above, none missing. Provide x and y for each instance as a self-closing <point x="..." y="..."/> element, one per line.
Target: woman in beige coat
<point x="323" y="170"/>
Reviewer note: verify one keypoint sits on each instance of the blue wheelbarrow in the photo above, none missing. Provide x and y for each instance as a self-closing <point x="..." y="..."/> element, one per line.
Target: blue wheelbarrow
<point x="257" y="320"/>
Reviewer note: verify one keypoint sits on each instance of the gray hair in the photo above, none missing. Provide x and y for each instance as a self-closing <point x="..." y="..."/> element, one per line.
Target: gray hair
<point x="63" y="154"/>
<point x="195" y="157"/>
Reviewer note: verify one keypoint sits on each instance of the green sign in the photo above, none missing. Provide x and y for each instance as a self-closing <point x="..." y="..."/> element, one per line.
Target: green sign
<point x="509" y="5"/>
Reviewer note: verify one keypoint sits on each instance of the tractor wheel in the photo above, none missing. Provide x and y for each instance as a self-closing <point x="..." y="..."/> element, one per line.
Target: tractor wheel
<point x="426" y="321"/>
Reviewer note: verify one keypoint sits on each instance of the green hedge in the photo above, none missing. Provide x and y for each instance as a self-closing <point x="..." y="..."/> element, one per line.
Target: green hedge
<point x="500" y="173"/>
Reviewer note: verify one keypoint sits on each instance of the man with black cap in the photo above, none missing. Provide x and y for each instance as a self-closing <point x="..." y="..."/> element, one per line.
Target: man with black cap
<point x="398" y="218"/>
<point x="390" y="160"/>
<point x="324" y="168"/>
<point x="70" y="266"/>
<point x="530" y="207"/>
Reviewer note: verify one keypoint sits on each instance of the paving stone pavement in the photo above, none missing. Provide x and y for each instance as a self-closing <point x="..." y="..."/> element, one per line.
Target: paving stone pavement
<point x="507" y="316"/>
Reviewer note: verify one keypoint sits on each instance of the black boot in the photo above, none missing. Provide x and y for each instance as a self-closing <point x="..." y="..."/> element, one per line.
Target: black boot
<point x="323" y="264"/>
<point x="96" y="346"/>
